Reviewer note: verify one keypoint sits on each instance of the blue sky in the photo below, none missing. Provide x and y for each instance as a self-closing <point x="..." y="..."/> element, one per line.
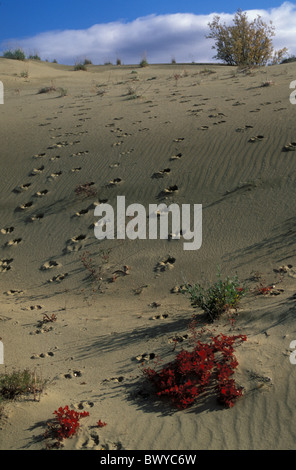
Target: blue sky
<point x="102" y="30"/>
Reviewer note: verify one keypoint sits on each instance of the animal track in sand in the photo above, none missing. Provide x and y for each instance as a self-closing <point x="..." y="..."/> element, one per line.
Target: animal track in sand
<point x="42" y="355"/>
<point x="114" y="182"/>
<point x="14" y="292"/>
<point x="81" y="212"/>
<point x="73" y="373"/>
<point x="56" y="157"/>
<point x="165" y="264"/>
<point x="58" y="278"/>
<point x="203" y="128"/>
<point x="7" y="230"/>
<point x="178" y="339"/>
<point x="41" y="193"/>
<point x="290" y="147"/>
<point x="256" y="138"/>
<point x="53" y="176"/>
<point x="36" y="171"/>
<point x="161" y="173"/>
<point x="145" y="357"/>
<point x="36" y="217"/>
<point x="170" y="190"/>
<point x="22" y="188"/>
<point x="176" y="157"/>
<point x="14" y="242"/>
<point x="5" y="264"/>
<point x="163" y="316"/>
<point x="179" y="139"/>
<point x="75" y="170"/>
<point x="75" y="243"/>
<point x="114" y="379"/>
<point x="38" y="155"/>
<point x="84" y="404"/>
<point x="79" y="154"/>
<point x="49" y="265"/>
<point x="33" y="307"/>
<point x="243" y="129"/>
<point x="63" y="144"/>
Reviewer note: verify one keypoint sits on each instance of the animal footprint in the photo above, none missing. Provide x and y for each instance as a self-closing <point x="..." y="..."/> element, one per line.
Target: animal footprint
<point x="169" y="190"/>
<point x="14" y="242"/>
<point x="25" y="206"/>
<point x="161" y="173"/>
<point x="178" y="339"/>
<point x="165" y="264"/>
<point x="176" y="157"/>
<point x="74" y="373"/>
<point x="179" y="139"/>
<point x="243" y="129"/>
<point x="5" y="265"/>
<point x="38" y="155"/>
<point x="163" y="316"/>
<point x="7" y="230"/>
<point x="58" y="278"/>
<point x="41" y="193"/>
<point x="114" y="182"/>
<point x="145" y="357"/>
<point x="14" y="292"/>
<point x="290" y="146"/>
<point x="36" y="217"/>
<point x="36" y="171"/>
<point x="42" y="355"/>
<point x="257" y="138"/>
<point x="49" y="265"/>
<point x="23" y="187"/>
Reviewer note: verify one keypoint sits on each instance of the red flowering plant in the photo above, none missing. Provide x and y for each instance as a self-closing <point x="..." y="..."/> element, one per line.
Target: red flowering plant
<point x="183" y="380"/>
<point x="66" y="422"/>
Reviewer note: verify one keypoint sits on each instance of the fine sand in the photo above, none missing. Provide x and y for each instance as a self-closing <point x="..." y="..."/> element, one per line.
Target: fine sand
<point x="224" y="141"/>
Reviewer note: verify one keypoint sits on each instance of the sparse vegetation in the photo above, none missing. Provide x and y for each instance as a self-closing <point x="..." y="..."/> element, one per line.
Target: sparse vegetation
<point x="222" y="295"/>
<point x="34" y="57"/>
<point x="47" y="89"/>
<point x="244" y="43"/>
<point x="17" y="54"/>
<point x="144" y="63"/>
<point x="292" y="58"/>
<point x="20" y="383"/>
<point x="80" y="66"/>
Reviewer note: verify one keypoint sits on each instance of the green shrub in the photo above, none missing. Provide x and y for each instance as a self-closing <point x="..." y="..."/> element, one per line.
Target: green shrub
<point x="34" y="57"/>
<point x="17" y="54"/>
<point x="19" y="383"/>
<point x="144" y="63"/>
<point x="222" y="295"/>
<point x="80" y="66"/>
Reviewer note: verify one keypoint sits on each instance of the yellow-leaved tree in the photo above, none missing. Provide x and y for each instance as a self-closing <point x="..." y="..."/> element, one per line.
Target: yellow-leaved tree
<point x="244" y="43"/>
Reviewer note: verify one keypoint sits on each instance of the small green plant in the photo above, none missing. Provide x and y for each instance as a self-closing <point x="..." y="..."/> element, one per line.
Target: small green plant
<point x="222" y="295"/>
<point x="34" y="57"/>
<point x="144" y="63"/>
<point x="17" y="54"/>
<point x="79" y="66"/>
<point x="47" y="89"/>
<point x="24" y="74"/>
<point x="20" y="383"/>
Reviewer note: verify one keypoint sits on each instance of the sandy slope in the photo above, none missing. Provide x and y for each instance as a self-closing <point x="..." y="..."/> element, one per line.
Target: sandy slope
<point x="222" y="135"/>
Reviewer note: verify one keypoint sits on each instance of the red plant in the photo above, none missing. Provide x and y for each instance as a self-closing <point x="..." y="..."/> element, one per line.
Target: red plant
<point x="101" y="424"/>
<point x="184" y="379"/>
<point x="67" y="422"/>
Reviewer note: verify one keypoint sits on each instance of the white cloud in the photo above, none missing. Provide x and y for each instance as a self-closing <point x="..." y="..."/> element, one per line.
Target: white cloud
<point x="158" y="37"/>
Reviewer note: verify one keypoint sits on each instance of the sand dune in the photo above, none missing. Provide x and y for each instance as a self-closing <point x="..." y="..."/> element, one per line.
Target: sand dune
<point x="188" y="134"/>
